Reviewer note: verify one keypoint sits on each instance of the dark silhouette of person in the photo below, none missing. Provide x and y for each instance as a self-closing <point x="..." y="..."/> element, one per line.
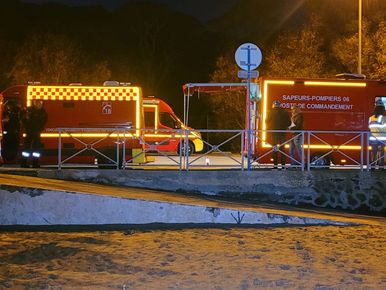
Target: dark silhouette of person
<point x="278" y="119"/>
<point x="297" y="121"/>
<point x="11" y="122"/>
<point x="34" y="120"/>
<point x="377" y="139"/>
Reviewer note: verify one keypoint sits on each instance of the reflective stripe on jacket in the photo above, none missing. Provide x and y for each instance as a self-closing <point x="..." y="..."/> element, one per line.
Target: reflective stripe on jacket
<point x="377" y="126"/>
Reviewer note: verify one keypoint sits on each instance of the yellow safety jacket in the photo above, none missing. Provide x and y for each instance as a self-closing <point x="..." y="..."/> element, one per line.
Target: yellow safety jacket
<point x="377" y="127"/>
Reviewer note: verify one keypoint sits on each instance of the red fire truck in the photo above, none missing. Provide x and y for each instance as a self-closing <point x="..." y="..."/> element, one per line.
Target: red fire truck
<point x="96" y="121"/>
<point x="93" y="121"/>
<point x="334" y="109"/>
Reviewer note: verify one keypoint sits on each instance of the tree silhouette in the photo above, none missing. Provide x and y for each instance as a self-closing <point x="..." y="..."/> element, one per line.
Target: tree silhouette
<point x="54" y="59"/>
<point x="298" y="54"/>
<point x="227" y="108"/>
<point x="373" y="50"/>
<point x="50" y="59"/>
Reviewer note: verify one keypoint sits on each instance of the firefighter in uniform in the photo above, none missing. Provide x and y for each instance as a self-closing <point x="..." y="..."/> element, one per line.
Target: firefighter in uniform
<point x="278" y="119"/>
<point x="11" y="120"/>
<point x="34" y="120"/>
<point x="377" y="127"/>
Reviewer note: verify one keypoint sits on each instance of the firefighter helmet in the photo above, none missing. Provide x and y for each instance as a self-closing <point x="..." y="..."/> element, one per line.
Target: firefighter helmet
<point x="379" y="102"/>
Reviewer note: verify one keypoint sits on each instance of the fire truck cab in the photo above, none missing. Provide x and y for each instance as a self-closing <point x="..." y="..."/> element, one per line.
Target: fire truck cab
<point x="165" y="130"/>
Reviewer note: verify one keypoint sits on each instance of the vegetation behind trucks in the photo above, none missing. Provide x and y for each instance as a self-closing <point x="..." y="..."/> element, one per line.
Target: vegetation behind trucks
<point x="80" y="107"/>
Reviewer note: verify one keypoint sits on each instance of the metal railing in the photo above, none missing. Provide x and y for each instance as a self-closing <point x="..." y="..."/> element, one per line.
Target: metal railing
<point x="349" y="149"/>
<point x="226" y="137"/>
<point x="116" y="137"/>
<point x="178" y="135"/>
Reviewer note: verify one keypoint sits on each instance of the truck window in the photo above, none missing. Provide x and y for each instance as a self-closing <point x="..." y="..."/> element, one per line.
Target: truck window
<point x="168" y="120"/>
<point x="150" y="120"/>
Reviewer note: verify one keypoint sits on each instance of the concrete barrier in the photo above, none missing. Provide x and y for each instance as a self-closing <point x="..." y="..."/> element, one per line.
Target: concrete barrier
<point x="26" y="206"/>
<point x="345" y="189"/>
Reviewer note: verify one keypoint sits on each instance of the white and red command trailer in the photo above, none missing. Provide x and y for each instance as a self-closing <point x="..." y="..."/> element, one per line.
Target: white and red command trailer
<point x="340" y="106"/>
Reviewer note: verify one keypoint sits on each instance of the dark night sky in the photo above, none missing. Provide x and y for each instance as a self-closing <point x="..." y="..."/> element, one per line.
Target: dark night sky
<point x="203" y="10"/>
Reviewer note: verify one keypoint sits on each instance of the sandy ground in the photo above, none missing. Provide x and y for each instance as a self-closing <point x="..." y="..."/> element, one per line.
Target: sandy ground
<point x="203" y="258"/>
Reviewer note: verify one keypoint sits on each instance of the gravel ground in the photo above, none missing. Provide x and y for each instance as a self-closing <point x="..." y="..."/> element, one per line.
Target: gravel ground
<point x="318" y="257"/>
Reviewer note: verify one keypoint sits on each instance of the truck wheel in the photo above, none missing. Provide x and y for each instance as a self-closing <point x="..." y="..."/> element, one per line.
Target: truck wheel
<point x="320" y="162"/>
<point x="181" y="147"/>
<point x="104" y="163"/>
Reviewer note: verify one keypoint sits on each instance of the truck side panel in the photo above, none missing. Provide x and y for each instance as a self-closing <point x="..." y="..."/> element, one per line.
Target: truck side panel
<point x="89" y="113"/>
<point x="85" y="107"/>
<point x="327" y="105"/>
